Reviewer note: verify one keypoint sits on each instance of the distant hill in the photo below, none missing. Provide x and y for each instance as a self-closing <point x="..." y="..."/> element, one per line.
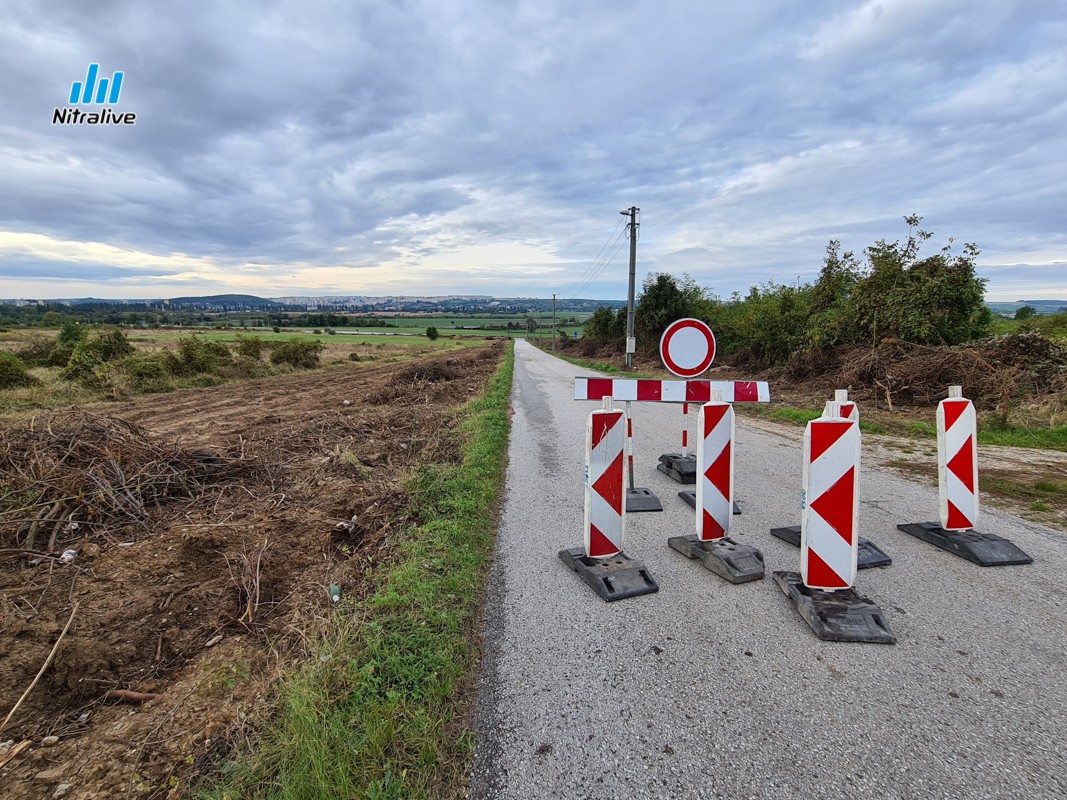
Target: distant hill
<point x="1040" y="306"/>
<point x="223" y="300"/>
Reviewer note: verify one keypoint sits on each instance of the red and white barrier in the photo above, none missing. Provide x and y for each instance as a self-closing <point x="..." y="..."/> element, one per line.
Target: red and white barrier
<point x="657" y="391"/>
<point x="828" y="535"/>
<point x="605" y="475"/>
<point x="957" y="462"/>
<point x="849" y="410"/>
<point x="715" y="468"/>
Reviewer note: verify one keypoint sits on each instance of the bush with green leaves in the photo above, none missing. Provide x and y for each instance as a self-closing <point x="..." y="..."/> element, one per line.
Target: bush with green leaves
<point x="147" y="372"/>
<point x="13" y="372"/>
<point x="195" y="356"/>
<point x="250" y="347"/>
<point x="663" y="299"/>
<point x="71" y="334"/>
<point x="297" y="353"/>
<point x="431" y="333"/>
<point x="37" y="351"/>
<point x="895" y="294"/>
<point x="606" y="327"/>
<point x="89" y="362"/>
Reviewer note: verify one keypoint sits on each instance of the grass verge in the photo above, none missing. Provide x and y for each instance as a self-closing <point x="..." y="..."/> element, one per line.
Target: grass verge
<point x="375" y="711"/>
<point x="599" y="366"/>
<point x="1040" y="499"/>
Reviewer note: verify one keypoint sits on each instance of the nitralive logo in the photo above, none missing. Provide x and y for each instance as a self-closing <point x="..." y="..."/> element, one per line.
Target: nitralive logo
<point x="94" y="90"/>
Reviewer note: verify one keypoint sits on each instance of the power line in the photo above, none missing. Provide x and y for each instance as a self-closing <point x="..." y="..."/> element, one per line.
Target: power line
<point x="588" y="273"/>
<point x="612" y="247"/>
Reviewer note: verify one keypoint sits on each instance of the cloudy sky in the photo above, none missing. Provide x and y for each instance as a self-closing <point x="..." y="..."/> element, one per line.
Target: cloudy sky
<point x="461" y="146"/>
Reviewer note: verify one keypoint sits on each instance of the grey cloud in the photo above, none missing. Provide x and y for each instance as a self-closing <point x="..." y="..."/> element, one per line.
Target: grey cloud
<point x="294" y="131"/>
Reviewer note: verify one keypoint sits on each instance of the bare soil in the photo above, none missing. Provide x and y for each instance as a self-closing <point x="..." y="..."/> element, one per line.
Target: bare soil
<point x="213" y="524"/>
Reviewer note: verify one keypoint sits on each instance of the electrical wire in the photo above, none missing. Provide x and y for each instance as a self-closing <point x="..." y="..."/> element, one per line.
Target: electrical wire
<point x="607" y="253"/>
<point x="609" y="242"/>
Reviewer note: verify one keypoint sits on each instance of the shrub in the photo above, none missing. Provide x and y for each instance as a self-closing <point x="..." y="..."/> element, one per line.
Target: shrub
<point x="431" y="333"/>
<point x="297" y="353"/>
<point x="37" y="352"/>
<point x="109" y="344"/>
<point x="13" y="372"/>
<point x="147" y="373"/>
<point x="86" y="367"/>
<point x="250" y="347"/>
<point x="197" y="356"/>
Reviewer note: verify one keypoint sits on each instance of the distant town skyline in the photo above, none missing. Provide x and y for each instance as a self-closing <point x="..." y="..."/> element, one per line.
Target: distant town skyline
<point x="431" y="148"/>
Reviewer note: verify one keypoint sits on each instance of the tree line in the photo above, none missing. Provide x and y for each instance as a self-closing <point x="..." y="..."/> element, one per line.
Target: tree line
<point x="891" y="291"/>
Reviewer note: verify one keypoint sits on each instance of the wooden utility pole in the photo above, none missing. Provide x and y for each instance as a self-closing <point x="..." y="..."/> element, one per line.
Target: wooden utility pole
<point x="553" y="321"/>
<point x="631" y="345"/>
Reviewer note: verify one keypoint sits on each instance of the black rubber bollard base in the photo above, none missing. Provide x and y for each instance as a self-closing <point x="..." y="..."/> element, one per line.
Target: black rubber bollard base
<point x="868" y="554"/>
<point x="841" y="616"/>
<point x="613" y="578"/>
<point x="737" y="563"/>
<point x="984" y="549"/>
<point x="691" y="500"/>
<point x="681" y="468"/>
<point x="638" y="500"/>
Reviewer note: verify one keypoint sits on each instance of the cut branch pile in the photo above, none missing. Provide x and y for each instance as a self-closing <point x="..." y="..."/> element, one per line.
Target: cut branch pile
<point x="73" y="476"/>
<point x="992" y="371"/>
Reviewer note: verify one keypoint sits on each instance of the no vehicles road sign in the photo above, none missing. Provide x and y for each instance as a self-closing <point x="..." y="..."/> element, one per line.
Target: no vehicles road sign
<point x="687" y="347"/>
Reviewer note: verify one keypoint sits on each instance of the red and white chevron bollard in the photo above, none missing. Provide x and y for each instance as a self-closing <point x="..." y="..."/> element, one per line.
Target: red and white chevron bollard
<point x="828" y="534"/>
<point x="849" y="410"/>
<point x="605" y="475"/>
<point x="715" y="470"/>
<point x="957" y="462"/>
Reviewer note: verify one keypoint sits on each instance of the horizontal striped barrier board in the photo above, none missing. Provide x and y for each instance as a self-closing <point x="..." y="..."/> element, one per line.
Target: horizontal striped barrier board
<point x="657" y="391"/>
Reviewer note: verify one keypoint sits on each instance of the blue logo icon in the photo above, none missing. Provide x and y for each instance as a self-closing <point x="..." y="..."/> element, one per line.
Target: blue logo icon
<point x="82" y="92"/>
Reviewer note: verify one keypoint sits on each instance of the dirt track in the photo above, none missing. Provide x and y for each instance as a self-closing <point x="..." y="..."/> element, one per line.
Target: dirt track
<point x="166" y="605"/>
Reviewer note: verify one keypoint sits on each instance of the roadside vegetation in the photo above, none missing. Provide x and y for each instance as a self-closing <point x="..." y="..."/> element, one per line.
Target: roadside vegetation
<point x="895" y="326"/>
<point x="376" y="710"/>
<point x="85" y="364"/>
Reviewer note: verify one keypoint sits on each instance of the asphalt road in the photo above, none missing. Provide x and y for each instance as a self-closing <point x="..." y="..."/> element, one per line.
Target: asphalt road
<point x="708" y="689"/>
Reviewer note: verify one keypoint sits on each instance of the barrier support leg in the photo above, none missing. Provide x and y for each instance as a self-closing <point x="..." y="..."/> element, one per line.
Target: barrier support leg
<point x="682" y="466"/>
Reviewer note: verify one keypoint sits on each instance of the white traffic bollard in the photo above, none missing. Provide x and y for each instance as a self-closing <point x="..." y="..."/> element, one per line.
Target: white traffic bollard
<point x="715" y="470"/>
<point x="828" y="535"/>
<point x="605" y="476"/>
<point x="957" y="462"/>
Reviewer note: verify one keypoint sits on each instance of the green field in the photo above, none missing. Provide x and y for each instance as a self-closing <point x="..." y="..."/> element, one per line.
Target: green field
<point x="149" y="335"/>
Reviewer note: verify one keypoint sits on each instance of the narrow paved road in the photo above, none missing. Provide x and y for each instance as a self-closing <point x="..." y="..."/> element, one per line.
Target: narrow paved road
<point x="710" y="690"/>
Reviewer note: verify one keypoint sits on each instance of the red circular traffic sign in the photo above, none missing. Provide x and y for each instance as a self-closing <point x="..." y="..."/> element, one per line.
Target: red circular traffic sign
<point x="687" y="347"/>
